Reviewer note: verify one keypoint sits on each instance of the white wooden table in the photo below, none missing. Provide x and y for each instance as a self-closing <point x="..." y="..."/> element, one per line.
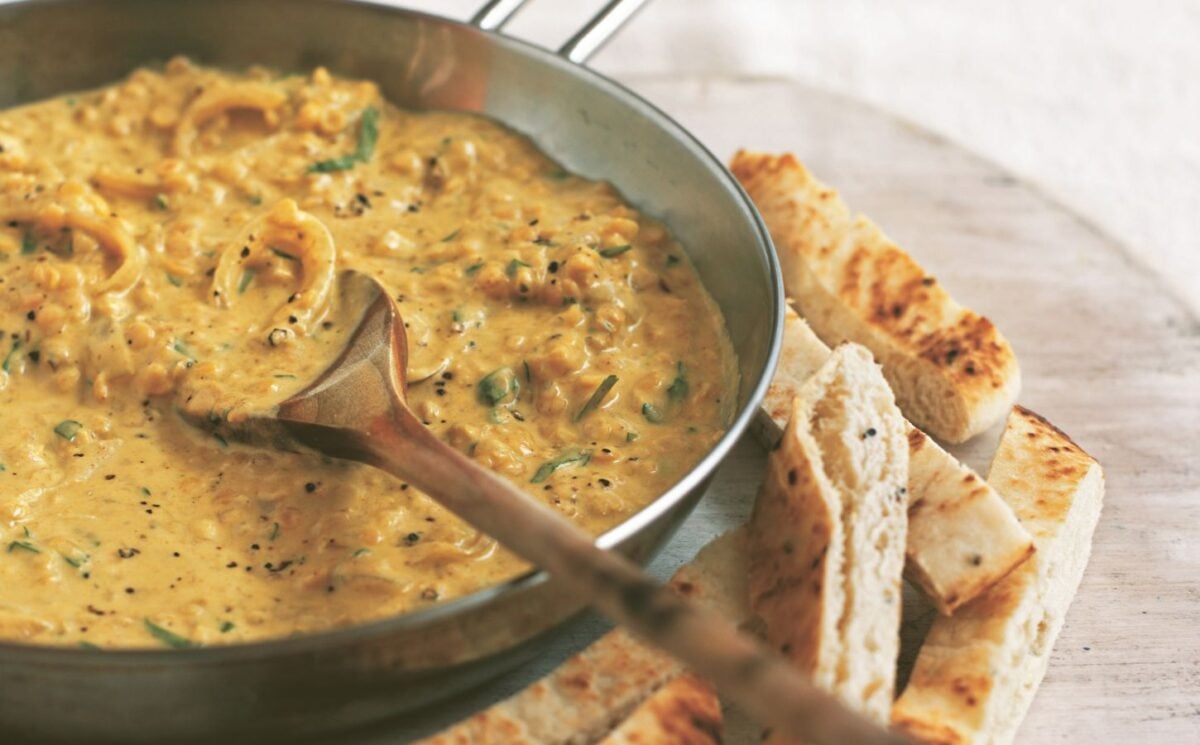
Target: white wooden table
<point x="1106" y="354"/>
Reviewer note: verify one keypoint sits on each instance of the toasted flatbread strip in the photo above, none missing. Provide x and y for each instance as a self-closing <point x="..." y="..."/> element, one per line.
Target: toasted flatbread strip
<point x="577" y="703"/>
<point x="589" y="694"/>
<point x="800" y="356"/>
<point x="685" y="711"/>
<point x="953" y="373"/>
<point x="977" y="672"/>
<point x="716" y="578"/>
<point x="962" y="537"/>
<point x="826" y="541"/>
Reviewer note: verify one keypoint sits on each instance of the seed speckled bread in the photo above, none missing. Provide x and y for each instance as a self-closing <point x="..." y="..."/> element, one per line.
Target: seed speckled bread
<point x="685" y="711"/>
<point x="977" y="672"/>
<point x="826" y="539"/>
<point x="953" y="373"/>
<point x="962" y="537"/>
<point x="579" y="702"/>
<point x="588" y="695"/>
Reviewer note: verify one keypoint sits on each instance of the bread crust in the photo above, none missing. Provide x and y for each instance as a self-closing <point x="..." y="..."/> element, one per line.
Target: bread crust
<point x="977" y="672"/>
<point x="826" y="540"/>
<point x="588" y="695"/>
<point x="953" y="372"/>
<point x="685" y="711"/>
<point x="577" y="703"/>
<point x="962" y="537"/>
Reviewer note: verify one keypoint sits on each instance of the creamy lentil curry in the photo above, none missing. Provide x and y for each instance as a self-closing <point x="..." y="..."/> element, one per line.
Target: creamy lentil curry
<point x="182" y="231"/>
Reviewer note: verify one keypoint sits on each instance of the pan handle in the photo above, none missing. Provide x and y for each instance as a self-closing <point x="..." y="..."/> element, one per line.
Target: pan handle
<point x="596" y="33"/>
<point x="580" y="47"/>
<point x="495" y="13"/>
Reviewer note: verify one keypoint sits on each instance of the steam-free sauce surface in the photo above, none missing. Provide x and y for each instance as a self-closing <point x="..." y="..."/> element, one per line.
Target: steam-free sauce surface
<point x="178" y="236"/>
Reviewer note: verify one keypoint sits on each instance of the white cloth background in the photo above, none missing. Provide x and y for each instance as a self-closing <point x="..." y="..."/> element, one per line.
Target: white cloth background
<point x="1097" y="102"/>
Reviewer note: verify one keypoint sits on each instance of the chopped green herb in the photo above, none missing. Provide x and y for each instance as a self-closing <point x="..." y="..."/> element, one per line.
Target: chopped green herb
<point x="75" y="561"/>
<point x="568" y="300"/>
<point x="558" y="174"/>
<point x="88" y="645"/>
<point x="597" y="396"/>
<point x="528" y="375"/>
<point x="652" y="413"/>
<point x="672" y="260"/>
<point x="24" y="546"/>
<point x="580" y="457"/>
<point x="609" y="253"/>
<point x="170" y="638"/>
<point x="630" y="436"/>
<point x="255" y="199"/>
<point x="3" y="468"/>
<point x="28" y="243"/>
<point x="513" y="267"/>
<point x="221" y="439"/>
<point x="451" y="235"/>
<point x="495" y="416"/>
<point x="344" y="163"/>
<point x="283" y="254"/>
<point x="470" y="271"/>
<point x="285" y="376"/>
<point x="361" y="552"/>
<point x="7" y="365"/>
<point x="418" y="270"/>
<point x="145" y="492"/>
<point x="174" y="280"/>
<point x="274" y="532"/>
<point x="368" y="135"/>
<point x="500" y="387"/>
<point x="226" y="627"/>
<point x="182" y="348"/>
<point x="71" y="101"/>
<point x="247" y="278"/>
<point x="160" y="200"/>
<point x="68" y="429"/>
<point x="679" y="388"/>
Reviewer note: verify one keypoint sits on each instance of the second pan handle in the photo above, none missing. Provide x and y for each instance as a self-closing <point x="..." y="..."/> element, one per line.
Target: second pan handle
<point x="585" y="43"/>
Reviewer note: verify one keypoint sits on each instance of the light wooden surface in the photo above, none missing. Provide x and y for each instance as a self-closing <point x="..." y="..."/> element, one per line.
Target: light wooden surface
<point x="1106" y="353"/>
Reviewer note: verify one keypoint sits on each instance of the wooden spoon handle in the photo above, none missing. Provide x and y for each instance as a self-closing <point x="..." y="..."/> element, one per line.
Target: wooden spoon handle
<point x="762" y="683"/>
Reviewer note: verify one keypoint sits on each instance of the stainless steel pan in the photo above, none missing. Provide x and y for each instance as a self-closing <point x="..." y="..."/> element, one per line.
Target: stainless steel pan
<point x="323" y="682"/>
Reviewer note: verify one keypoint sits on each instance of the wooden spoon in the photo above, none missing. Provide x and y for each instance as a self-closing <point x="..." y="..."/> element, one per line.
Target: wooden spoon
<point x="357" y="410"/>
